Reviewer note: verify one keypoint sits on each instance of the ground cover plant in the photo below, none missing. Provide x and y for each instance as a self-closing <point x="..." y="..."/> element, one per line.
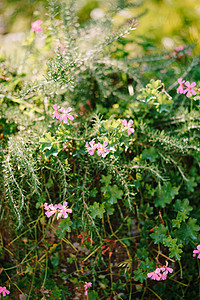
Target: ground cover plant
<point x="100" y="157"/>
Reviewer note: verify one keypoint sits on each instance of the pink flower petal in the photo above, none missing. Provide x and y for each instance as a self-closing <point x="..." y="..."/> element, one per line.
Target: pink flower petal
<point x="65" y="215"/>
<point x="187" y="84"/>
<point x="193" y="84"/>
<point x="124" y="122"/>
<point x="188" y="93"/>
<point x="170" y="270"/>
<point x="105" y="144"/>
<point x="180" y="81"/>
<point x="150" y="274"/>
<point x="130" y="123"/>
<point x="196" y="251"/>
<point x="70" y="117"/>
<point x="68" y="109"/>
<point x="62" y="117"/>
<point x="193" y="92"/>
<point x="59" y="215"/>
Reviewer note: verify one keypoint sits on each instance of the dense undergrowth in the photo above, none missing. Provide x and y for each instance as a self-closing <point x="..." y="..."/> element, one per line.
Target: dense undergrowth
<point x="113" y="137"/>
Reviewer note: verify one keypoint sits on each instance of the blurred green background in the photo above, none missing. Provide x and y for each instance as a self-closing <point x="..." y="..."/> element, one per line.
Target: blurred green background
<point x="164" y="23"/>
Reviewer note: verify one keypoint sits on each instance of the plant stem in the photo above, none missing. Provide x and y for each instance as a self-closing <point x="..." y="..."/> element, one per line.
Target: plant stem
<point x="181" y="269"/>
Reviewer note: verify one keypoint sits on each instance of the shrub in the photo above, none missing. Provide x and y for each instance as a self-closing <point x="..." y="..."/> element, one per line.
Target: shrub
<point x="113" y="141"/>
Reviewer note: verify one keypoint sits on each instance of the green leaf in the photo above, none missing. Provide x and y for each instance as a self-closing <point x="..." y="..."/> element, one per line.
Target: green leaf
<point x="109" y="209"/>
<point x="56" y="294"/>
<point x="111" y="192"/>
<point x="183" y="206"/>
<point x="165" y="194"/>
<point x="159" y="234"/>
<point x="142" y="253"/>
<point x="145" y="267"/>
<point x="150" y="154"/>
<point x="93" y="192"/>
<point x="64" y="276"/>
<point x="64" y="226"/>
<point x="176" y="223"/>
<point x="119" y="285"/>
<point x="92" y="295"/>
<point x="55" y="259"/>
<point x="189" y="230"/>
<point x="146" y="209"/>
<point x="97" y="210"/>
<point x="115" y="193"/>
<point x="46" y="141"/>
<point x="106" y="179"/>
<point x="191" y="184"/>
<point x="150" y="92"/>
<point x="49" y="183"/>
<point x="174" y="249"/>
<point x="49" y="145"/>
<point x="139" y="275"/>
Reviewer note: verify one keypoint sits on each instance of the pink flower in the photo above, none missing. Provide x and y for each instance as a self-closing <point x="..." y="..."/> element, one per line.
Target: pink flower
<point x="56" y="111"/>
<point x="180" y="89"/>
<point x="155" y="275"/>
<point x="189" y="89"/>
<point x="50" y="209"/>
<point x="60" y="48"/>
<point x="128" y="125"/>
<point x="86" y="286"/>
<point x="160" y="273"/>
<point x="4" y="291"/>
<point x="63" y="210"/>
<point x="46" y="206"/>
<point x="188" y="52"/>
<point x="35" y="26"/>
<point x="195" y="252"/>
<point x="164" y="270"/>
<point x="91" y="147"/>
<point x="102" y="150"/>
<point x="65" y="116"/>
<point x="180" y="51"/>
<point x="170" y="270"/>
<point x="179" y="48"/>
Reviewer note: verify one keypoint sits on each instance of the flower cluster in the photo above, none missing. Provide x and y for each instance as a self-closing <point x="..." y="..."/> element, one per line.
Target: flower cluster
<point x="101" y="148"/>
<point x="60" y="48"/>
<point x="197" y="252"/>
<point x="179" y="52"/>
<point x="160" y="273"/>
<point x="62" y="114"/>
<point x="128" y="125"/>
<point x="59" y="209"/>
<point x="4" y="291"/>
<point x="36" y="26"/>
<point x="187" y="89"/>
<point x="86" y="286"/>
